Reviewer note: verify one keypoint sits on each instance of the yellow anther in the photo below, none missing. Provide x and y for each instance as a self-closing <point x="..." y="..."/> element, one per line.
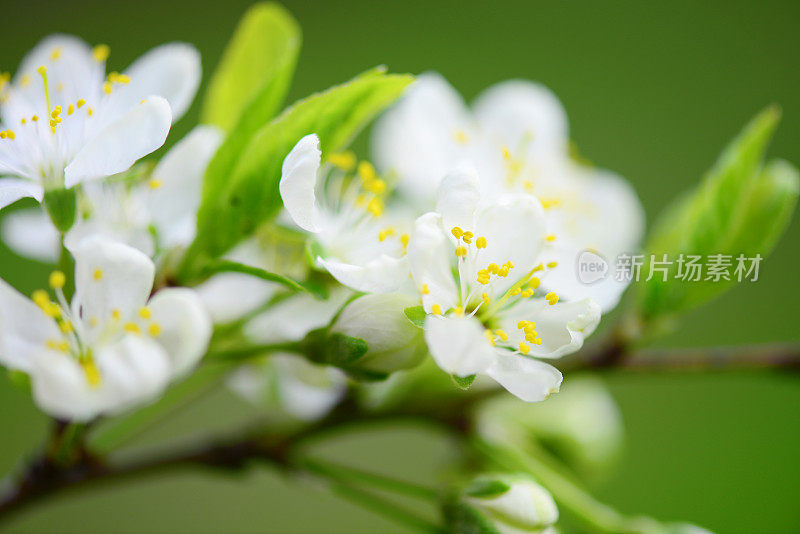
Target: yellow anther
<point x="461" y="251"/>
<point x="521" y="324"/>
<point x="537" y="341"/>
<point x="91" y="372"/>
<point x="56" y="112"/>
<point x="24" y="120"/>
<point x="42" y="70"/>
<point x="489" y="336"/>
<point x="344" y="160"/>
<point x="404" y="239"/>
<point x="26" y="80"/>
<point x="551" y="237"/>
<point x="133" y="328"/>
<point x="436" y="309"/>
<point x="506" y="153"/>
<point x="70" y="109"/>
<point x="35" y="118"/>
<point x="97" y="274"/>
<point x="550" y="203"/>
<point x="459" y="310"/>
<point x="493" y="268"/>
<point x="153" y="183"/>
<point x="551" y="297"/>
<point x="107" y="88"/>
<point x="366" y="171"/>
<point x="515" y="291"/>
<point x="503" y="271"/>
<point x="552" y="264"/>
<point x="524" y="348"/>
<point x="116" y="314"/>
<point x="11" y="134"/>
<point x="101" y="52"/>
<point x="376" y="186"/>
<point x="40" y="297"/>
<point x="483" y="279"/>
<point x="80" y="103"/>
<point x="467" y="237"/>
<point x="485" y="298"/>
<point x="529" y="326"/>
<point x="57" y="279"/>
<point x="56" y="53"/>
<point x="530" y="337"/>
<point x="65" y="327"/>
<point x="457" y="232"/>
<point x="52" y="344"/>
<point x="509" y="264"/>
<point x="461" y="137"/>
<point x="534" y="282"/>
<point x="480" y="242"/>
<point x="386" y="232"/>
<point x="424" y="289"/>
<point x="539" y="267"/>
<point x="89" y="111"/>
<point x="145" y="313"/>
<point x="375" y="207"/>
<point x="501" y="334"/>
<point x="93" y="321"/>
<point x="528" y="293"/>
<point x="51" y="309"/>
<point x="154" y="329"/>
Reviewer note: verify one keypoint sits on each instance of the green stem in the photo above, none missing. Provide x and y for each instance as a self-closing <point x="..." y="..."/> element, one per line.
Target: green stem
<point x="371" y="501"/>
<point x="373" y="479"/>
<point x="238" y="354"/>
<point x="597" y="516"/>
<point x="226" y="266"/>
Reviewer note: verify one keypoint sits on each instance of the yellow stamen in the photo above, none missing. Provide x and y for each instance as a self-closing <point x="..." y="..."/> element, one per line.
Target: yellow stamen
<point x="375" y="207"/>
<point x="551" y="297"/>
<point x="145" y="313"/>
<point x="133" y="328"/>
<point x="552" y="264"/>
<point x="80" y="103"/>
<point x="154" y="183"/>
<point x="436" y="309"/>
<point x="457" y="232"/>
<point x="57" y="279"/>
<point x="65" y="326"/>
<point x="344" y="160"/>
<point x="91" y="372"/>
<point x="101" y="52"/>
<point x="366" y="171"/>
<point x="461" y="251"/>
<point x="56" y="53"/>
<point x="116" y="314"/>
<point x="467" y="237"/>
<point x="480" y="242"/>
<point x="97" y="274"/>
<point x="501" y="334"/>
<point x="42" y="70"/>
<point x="41" y="298"/>
<point x="485" y="298"/>
<point x="524" y="348"/>
<point x="154" y="329"/>
<point x="550" y="238"/>
<point x="489" y="336"/>
<point x="424" y="289"/>
<point x="461" y="137"/>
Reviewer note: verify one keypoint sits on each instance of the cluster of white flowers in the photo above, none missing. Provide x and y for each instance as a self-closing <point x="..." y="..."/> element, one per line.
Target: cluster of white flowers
<point x="471" y="221"/>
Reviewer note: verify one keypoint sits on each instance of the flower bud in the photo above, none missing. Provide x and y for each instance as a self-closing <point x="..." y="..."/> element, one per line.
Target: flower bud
<point x="61" y="205"/>
<point x="512" y="503"/>
<point x="394" y="342"/>
<point x="582" y="424"/>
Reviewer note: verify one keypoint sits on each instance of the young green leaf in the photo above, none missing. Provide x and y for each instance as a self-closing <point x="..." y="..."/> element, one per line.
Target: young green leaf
<point x="416" y="314"/>
<point x="739" y="208"/>
<point x="248" y="195"/>
<point x="463" y="382"/>
<point x="255" y="70"/>
<point x="486" y="488"/>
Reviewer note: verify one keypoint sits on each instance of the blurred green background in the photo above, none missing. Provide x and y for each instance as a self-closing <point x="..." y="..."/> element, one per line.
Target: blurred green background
<point x="653" y="92"/>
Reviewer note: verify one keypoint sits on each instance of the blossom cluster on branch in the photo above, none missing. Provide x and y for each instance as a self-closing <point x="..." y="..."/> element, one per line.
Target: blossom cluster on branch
<point x="306" y="276"/>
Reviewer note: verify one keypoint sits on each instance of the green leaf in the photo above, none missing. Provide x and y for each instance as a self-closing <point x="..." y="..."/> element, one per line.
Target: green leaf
<point x="255" y="70"/>
<point x="416" y="314"/>
<point x="248" y="194"/>
<point x="738" y="208"/>
<point x="62" y="207"/>
<point x="461" y="518"/>
<point x="463" y="382"/>
<point x="226" y="266"/>
<point x="486" y="488"/>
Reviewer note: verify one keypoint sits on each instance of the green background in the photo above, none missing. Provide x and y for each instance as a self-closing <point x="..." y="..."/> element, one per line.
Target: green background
<point x="653" y="92"/>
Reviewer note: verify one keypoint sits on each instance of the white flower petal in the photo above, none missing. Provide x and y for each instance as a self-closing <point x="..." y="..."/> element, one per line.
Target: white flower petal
<point x="524" y="377"/>
<point x="185" y="326"/>
<point x="429" y="254"/>
<point x="171" y="71"/>
<point x="29" y="233"/>
<point x="458" y="197"/>
<point x="419" y="138"/>
<point x="514" y="111"/>
<point x="229" y="296"/>
<point x="134" y="370"/>
<point x="135" y="134"/>
<point x="384" y="274"/>
<point x="458" y="344"/>
<point x="562" y="327"/>
<point x="608" y="220"/>
<point x="110" y="276"/>
<point x="298" y="183"/>
<point x="60" y="387"/>
<point x="179" y="175"/>
<point x="13" y="189"/>
<point x="70" y="65"/>
<point x="24" y="329"/>
<point x="514" y="227"/>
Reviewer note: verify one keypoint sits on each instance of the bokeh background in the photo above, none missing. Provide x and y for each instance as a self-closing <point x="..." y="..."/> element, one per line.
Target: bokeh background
<point x="652" y="91"/>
